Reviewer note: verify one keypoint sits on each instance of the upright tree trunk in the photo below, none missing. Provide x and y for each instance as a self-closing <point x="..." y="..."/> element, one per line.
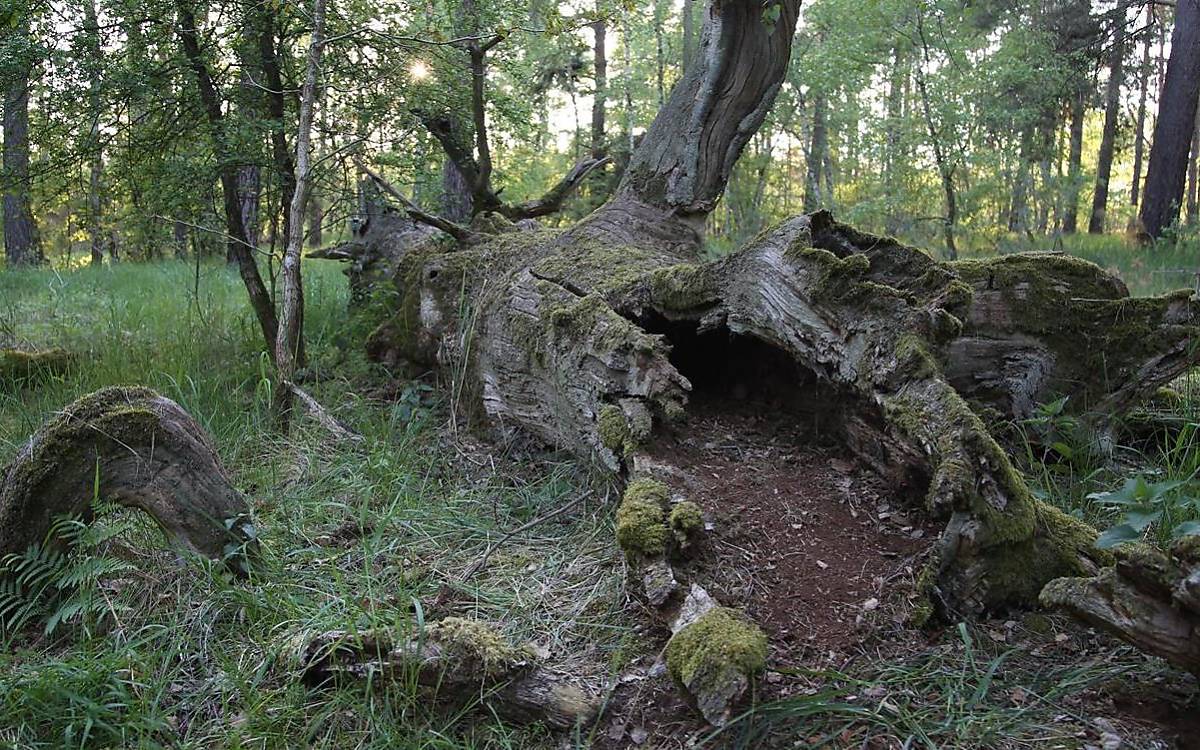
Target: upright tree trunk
<point x="599" y="146"/>
<point x="316" y="220"/>
<point x="679" y="172"/>
<point x="456" y="194"/>
<point x="945" y="169"/>
<point x="689" y="34"/>
<point x="289" y="345"/>
<point x="270" y="59"/>
<point x="1139" y="135"/>
<point x="1193" y="170"/>
<point x="96" y="172"/>
<point x="237" y="244"/>
<point x="22" y="245"/>
<point x="1018" y="213"/>
<point x="892" y="158"/>
<point x="249" y="181"/>
<point x="817" y="145"/>
<point x="1074" y="164"/>
<point x="180" y="235"/>
<point x="1112" y="112"/>
<point x="1169" y="153"/>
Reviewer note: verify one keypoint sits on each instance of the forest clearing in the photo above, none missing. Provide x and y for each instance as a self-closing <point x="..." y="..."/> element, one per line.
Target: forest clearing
<point x="357" y="391"/>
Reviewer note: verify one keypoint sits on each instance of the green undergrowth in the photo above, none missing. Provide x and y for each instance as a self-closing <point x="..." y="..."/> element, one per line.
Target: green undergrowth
<point x="178" y="654"/>
<point x="999" y="687"/>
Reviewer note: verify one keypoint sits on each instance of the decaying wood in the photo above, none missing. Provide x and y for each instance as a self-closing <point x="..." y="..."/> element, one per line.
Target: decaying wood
<point x="1148" y="598"/>
<point x="331" y="423"/>
<point x="458" y="661"/>
<point x="139" y="449"/>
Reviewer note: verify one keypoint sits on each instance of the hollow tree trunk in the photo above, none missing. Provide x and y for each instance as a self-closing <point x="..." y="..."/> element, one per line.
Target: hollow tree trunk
<point x="568" y="335"/>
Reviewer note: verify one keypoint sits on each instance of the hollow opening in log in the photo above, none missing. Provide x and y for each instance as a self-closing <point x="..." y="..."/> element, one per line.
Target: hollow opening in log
<point x="743" y="374"/>
<point x="807" y="538"/>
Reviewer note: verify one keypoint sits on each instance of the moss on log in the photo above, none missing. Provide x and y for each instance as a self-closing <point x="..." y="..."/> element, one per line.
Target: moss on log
<point x="134" y="447"/>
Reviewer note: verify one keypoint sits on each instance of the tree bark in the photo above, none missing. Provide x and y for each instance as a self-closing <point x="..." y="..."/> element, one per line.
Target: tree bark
<point x="237" y="243"/>
<point x="289" y="344"/>
<point x="146" y="453"/>
<point x="1139" y="135"/>
<point x="1074" y="164"/>
<point x="22" y="244"/>
<point x="270" y="60"/>
<point x="1193" y="205"/>
<point x="1112" y="112"/>
<point x="945" y="169"/>
<point x="599" y="145"/>
<point x="1169" y="152"/>
<point x="688" y="21"/>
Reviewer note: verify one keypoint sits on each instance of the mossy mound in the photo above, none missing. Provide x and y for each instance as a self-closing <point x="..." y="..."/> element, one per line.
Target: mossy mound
<point x="714" y="658"/>
<point x="687" y="523"/>
<point x="642" y="519"/>
<point x="480" y="652"/>
<point x="22" y="368"/>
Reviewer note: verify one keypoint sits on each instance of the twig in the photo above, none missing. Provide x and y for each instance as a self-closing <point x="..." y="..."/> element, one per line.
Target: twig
<point x="326" y="420"/>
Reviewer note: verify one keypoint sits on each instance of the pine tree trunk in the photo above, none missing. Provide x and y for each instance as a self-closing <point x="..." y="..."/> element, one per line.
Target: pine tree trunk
<point x="1139" y="134"/>
<point x="1169" y="153"/>
<point x="1112" y="113"/>
<point x="599" y="146"/>
<point x="1074" y="162"/>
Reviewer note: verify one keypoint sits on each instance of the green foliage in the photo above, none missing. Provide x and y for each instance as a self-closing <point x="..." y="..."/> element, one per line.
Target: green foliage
<point x="58" y="579"/>
<point x="1142" y="504"/>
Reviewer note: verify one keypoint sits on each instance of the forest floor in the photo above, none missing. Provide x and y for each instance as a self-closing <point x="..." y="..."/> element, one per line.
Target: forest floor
<point x="381" y="535"/>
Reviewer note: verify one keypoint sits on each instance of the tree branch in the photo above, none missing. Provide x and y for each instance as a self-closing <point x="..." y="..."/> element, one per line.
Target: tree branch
<point x="458" y="232"/>
<point x="553" y="199"/>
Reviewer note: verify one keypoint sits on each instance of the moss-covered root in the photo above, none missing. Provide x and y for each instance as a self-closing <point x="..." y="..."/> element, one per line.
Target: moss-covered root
<point x="714" y="659"/>
<point x="687" y="525"/>
<point x="457" y="661"/>
<point x="22" y="368"/>
<point x="137" y="449"/>
<point x="642" y="519"/>
<point x="1148" y="598"/>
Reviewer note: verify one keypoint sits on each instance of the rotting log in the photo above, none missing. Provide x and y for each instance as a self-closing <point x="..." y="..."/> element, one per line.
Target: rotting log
<point x="595" y="338"/>
<point x="593" y="347"/>
<point x="136" y="448"/>
<point x="458" y="661"/>
<point x="1149" y="598"/>
<point x="20" y="368"/>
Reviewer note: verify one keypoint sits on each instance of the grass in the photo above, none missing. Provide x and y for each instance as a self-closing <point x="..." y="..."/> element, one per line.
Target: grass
<point x="368" y="537"/>
<point x="353" y="538"/>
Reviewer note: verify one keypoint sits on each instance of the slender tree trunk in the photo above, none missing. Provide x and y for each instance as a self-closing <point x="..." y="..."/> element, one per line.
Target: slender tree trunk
<point x="599" y="146"/>
<point x="945" y="170"/>
<point x="1139" y="135"/>
<point x="689" y="34"/>
<point x="660" y="55"/>
<point x="1193" y="169"/>
<point x="1018" y="213"/>
<point x="892" y="158"/>
<point x="237" y="244"/>
<point x="95" y="52"/>
<point x="22" y="244"/>
<point x="270" y="60"/>
<point x="1074" y="164"/>
<point x="249" y="181"/>
<point x="1169" y="153"/>
<point x="289" y="350"/>
<point x="456" y="194"/>
<point x="817" y="144"/>
<point x="1112" y="112"/>
<point x="180" y="235"/>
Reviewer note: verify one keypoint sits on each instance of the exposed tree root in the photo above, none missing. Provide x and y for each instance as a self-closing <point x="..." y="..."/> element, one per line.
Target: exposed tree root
<point x="1148" y="598"/>
<point x="136" y="448"/>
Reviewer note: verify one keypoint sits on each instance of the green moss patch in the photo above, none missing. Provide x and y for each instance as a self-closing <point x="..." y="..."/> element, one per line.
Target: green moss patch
<point x="476" y="647"/>
<point x="686" y="522"/>
<point x="642" y="519"/>
<point x="715" y="651"/>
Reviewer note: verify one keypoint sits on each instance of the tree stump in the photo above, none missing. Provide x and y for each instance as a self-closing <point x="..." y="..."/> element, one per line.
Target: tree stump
<point x="136" y="448"/>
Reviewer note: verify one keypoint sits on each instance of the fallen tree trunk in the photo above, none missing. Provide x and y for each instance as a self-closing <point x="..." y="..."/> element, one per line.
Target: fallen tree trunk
<point x="1148" y="598"/>
<point x="592" y="347"/>
<point x="136" y="448"/>
<point x="458" y="661"/>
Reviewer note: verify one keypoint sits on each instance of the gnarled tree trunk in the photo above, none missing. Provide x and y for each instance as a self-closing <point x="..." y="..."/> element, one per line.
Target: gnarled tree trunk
<point x="136" y="448"/>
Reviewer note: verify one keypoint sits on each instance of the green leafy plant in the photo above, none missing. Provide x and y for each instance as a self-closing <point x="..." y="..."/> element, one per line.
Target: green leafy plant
<point x="59" y="579"/>
<point x="1143" y="504"/>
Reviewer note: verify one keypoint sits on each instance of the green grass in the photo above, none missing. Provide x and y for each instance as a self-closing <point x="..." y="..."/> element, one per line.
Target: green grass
<point x="353" y="538"/>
